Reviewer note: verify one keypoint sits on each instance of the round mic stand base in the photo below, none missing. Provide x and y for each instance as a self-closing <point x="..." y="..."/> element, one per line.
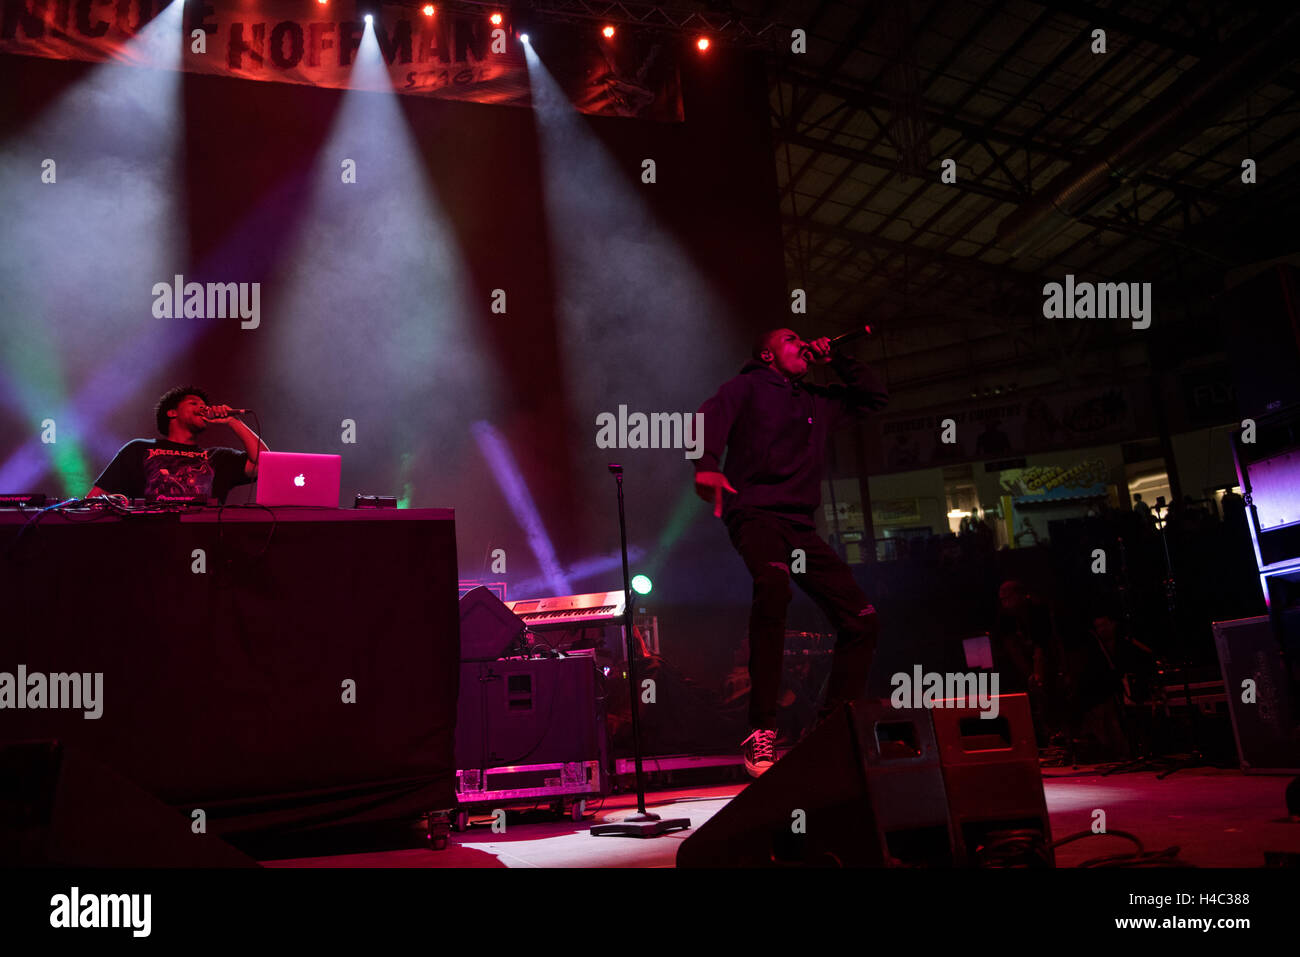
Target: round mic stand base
<point x="642" y="823"/>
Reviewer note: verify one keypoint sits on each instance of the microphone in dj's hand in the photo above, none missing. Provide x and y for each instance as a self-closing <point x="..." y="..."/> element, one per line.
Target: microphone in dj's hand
<point x="207" y="408"/>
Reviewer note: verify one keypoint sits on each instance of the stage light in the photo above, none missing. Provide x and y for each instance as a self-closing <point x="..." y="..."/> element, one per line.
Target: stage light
<point x="54" y="364"/>
<point x="496" y="19"/>
<point x="522" y="23"/>
<point x="702" y="43"/>
<point x="322" y="2"/>
<point x="641" y="584"/>
<point x="369" y="18"/>
<point x="428" y="9"/>
<point x="608" y="254"/>
<point x="608" y="33"/>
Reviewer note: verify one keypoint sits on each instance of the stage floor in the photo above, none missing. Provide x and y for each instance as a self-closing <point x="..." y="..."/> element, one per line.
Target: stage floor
<point x="1218" y="818"/>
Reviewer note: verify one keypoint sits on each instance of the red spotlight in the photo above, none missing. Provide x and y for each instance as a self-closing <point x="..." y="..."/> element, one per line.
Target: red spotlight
<point x="702" y="43"/>
<point x="428" y="10"/>
<point x="608" y="33"/>
<point x="322" y="2"/>
<point x="496" y="19"/>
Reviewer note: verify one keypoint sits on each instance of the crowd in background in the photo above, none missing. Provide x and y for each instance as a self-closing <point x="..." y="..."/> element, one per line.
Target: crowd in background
<point x="1091" y="642"/>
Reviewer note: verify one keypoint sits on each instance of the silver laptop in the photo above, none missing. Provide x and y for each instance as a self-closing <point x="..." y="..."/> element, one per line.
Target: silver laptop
<point x="298" y="478"/>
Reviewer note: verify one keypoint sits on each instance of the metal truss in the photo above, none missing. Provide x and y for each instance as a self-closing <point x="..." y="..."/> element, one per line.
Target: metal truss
<point x="679" y="17"/>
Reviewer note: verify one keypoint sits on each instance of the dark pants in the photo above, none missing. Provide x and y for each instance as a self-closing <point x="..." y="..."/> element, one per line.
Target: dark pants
<point x="767" y="543"/>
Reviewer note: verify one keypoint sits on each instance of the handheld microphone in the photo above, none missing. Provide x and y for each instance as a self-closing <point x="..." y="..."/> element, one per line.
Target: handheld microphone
<point x="846" y="337"/>
<point x="208" y="408"/>
<point x="851" y="336"/>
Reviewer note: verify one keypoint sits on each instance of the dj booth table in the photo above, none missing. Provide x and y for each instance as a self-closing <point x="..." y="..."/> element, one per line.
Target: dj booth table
<point x="226" y="639"/>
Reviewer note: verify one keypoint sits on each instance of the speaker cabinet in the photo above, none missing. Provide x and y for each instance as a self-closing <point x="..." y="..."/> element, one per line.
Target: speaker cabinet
<point x="994" y="784"/>
<point x="487" y="627"/>
<point x="907" y="788"/>
<point x="877" y="786"/>
<point x="529" y="711"/>
<point x="811" y="809"/>
<point x="863" y="789"/>
<point x="1267" y="731"/>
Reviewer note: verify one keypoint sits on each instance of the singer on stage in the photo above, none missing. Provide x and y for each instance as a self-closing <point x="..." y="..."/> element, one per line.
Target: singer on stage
<point x="176" y="467"/>
<point x="774" y="427"/>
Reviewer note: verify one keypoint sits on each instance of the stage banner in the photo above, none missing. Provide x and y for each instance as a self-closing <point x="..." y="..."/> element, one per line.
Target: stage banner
<point x="450" y="55"/>
<point x="1007" y="427"/>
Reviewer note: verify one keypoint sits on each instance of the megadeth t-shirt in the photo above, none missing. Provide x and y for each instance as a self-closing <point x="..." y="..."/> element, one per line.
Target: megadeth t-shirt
<point x="163" y="469"/>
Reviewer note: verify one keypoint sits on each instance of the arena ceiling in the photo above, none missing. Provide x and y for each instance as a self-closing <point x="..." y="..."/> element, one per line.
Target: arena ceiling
<point x="1117" y="166"/>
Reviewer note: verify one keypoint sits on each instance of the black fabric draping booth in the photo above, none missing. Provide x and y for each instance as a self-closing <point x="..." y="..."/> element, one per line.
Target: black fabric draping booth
<point x="226" y="639"/>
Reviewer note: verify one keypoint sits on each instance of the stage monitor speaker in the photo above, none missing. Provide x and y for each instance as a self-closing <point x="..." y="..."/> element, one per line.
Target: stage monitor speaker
<point x="906" y="783"/>
<point x="1268" y="471"/>
<point x="60" y="808"/>
<point x="994" y="785"/>
<point x="1266" y="730"/>
<point x="487" y="627"/>
<point x="529" y="711"/>
<point x="864" y="789"/>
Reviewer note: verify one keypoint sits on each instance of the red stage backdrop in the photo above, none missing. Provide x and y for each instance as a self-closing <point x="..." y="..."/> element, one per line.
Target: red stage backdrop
<point x="296" y="41"/>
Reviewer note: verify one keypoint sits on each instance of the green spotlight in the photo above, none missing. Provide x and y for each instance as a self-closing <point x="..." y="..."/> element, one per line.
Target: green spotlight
<point x="641" y="584"/>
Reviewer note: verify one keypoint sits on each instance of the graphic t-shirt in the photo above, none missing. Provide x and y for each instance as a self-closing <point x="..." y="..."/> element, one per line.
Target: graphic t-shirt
<point x="163" y="469"/>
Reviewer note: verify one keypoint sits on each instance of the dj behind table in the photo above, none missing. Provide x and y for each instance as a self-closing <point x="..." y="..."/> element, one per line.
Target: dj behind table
<point x="279" y="668"/>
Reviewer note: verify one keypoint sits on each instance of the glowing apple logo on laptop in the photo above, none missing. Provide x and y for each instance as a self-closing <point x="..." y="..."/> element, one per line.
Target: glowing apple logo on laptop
<point x="300" y="480"/>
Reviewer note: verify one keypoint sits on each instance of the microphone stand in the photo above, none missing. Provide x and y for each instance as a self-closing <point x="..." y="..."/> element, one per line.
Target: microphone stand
<point x="642" y="823"/>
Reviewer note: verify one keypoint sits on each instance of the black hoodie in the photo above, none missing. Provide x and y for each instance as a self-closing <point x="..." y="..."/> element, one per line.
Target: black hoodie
<point x="775" y="432"/>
